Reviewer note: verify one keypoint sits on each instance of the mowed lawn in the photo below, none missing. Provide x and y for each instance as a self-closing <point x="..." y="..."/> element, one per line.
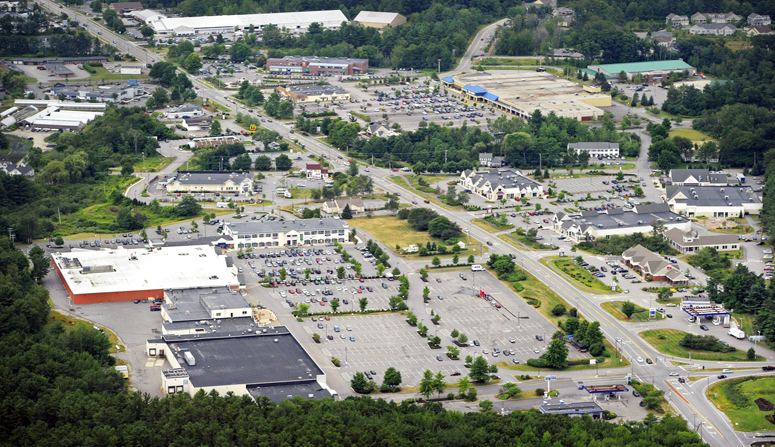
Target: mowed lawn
<point x="666" y="342"/>
<point x="694" y="135"/>
<point x="747" y="417"/>
<point x="391" y="230"/>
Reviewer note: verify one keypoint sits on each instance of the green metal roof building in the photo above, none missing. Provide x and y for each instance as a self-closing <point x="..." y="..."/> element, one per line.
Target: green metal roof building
<point x="652" y="69"/>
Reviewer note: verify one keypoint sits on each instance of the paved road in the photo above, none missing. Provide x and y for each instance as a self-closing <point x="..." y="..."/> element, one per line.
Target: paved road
<point x="685" y="399"/>
<point x="482" y="38"/>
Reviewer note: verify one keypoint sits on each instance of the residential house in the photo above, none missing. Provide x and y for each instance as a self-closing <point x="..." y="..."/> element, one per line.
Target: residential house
<point x="653" y="267"/>
<point x="17" y="169"/>
<point x="713" y="29"/>
<point x="124" y="8"/>
<point x="338" y="205"/>
<point x="379" y="130"/>
<point x="591" y="224"/>
<point x="677" y="21"/>
<point x="500" y="184"/>
<point x="758" y="20"/>
<point x="691" y="241"/>
<point x="758" y="30"/>
<point x="485" y="158"/>
<point x="725" y="17"/>
<point x="210" y="181"/>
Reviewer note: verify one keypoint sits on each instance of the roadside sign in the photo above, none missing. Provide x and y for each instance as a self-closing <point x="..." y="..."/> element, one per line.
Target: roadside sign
<point x="592" y="361"/>
<point x="550" y="378"/>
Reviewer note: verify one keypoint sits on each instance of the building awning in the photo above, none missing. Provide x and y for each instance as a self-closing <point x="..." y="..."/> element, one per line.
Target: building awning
<point x="490" y="96"/>
<point x="448" y="79"/>
<point x="475" y="89"/>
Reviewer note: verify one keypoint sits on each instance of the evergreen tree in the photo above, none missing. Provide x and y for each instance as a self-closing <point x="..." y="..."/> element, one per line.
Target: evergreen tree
<point x="347" y="212"/>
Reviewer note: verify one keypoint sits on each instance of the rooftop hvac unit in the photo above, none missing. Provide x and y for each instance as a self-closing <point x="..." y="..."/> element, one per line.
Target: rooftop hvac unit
<point x="726" y="197"/>
<point x="190" y="360"/>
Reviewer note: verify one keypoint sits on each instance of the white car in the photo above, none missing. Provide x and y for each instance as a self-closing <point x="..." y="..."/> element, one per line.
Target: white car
<point x="640" y="360"/>
<point x="674" y="374"/>
<point x="485" y="351"/>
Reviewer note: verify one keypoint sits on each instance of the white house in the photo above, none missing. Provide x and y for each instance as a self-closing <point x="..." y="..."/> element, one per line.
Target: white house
<point x="677" y="21"/>
<point x="713" y="29"/>
<point x="314" y="170"/>
<point x="501" y="184"/>
<point x="758" y="20"/>
<point x="596" y="149"/>
<point x="338" y="205"/>
<point x="17" y="169"/>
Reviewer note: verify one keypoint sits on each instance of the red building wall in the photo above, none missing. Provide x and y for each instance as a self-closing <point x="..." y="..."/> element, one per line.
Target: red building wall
<point x="107" y="297"/>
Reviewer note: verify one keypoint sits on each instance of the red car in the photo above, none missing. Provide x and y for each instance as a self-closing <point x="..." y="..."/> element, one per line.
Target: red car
<point x="395" y="170"/>
<point x="361" y="280"/>
<point x="291" y="291"/>
<point x="328" y="318"/>
<point x="438" y="280"/>
<point x="360" y="290"/>
<point x="322" y="303"/>
<point x="298" y="291"/>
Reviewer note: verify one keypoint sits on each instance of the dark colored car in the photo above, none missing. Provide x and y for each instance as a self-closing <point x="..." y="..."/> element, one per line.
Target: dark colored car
<point x="635" y="393"/>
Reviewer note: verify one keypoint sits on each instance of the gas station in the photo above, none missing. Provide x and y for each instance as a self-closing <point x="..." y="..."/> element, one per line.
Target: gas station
<point x="705" y="310"/>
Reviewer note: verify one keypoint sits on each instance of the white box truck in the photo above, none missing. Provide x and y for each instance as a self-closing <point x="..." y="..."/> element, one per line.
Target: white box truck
<point x="189" y="358"/>
<point x="737" y="333"/>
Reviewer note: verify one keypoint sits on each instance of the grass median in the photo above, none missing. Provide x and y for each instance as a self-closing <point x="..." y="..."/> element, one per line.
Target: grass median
<point x="583" y="278"/>
<point x="737" y="399"/>
<point x="641" y="314"/>
<point x="666" y="341"/>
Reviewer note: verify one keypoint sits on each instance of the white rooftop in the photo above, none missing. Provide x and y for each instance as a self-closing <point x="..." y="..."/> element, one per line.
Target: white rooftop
<point x="117" y="270"/>
<point x="292" y="20"/>
<point x="376" y="17"/>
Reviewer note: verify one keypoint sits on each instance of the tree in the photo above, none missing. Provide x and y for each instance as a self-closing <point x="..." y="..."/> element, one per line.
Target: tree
<point x="436" y="261"/>
<point x="359" y="384"/>
<point x="462" y="339"/>
<point x="303" y="308"/>
<point x="263" y="163"/>
<point x="392" y="378"/>
<point x="283" y="163"/>
<point x="188" y="207"/>
<point x="454" y="333"/>
<point x="453" y="352"/>
<point x="412" y="319"/>
<point x="396" y="303"/>
<point x="59" y="241"/>
<point x="283" y="274"/>
<point x="241" y="162"/>
<point x="486" y="405"/>
<point x="462" y="386"/>
<point x="556" y="356"/>
<point x="340" y="272"/>
<point x="628" y="308"/>
<point x="352" y="171"/>
<point x="40" y="263"/>
<point x="334" y="305"/>
<point x="471" y="259"/>
<point x="347" y="212"/>
<point x="439" y="385"/>
<point x="427" y="384"/>
<point x="240" y="52"/>
<point x="751" y="354"/>
<point x="426" y="293"/>
<point x="509" y="390"/>
<point x="215" y="128"/>
<point x="192" y="63"/>
<point x="479" y="370"/>
<point x="658" y="227"/>
<point x="362" y="303"/>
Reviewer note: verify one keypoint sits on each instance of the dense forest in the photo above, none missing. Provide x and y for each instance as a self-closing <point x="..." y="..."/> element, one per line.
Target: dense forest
<point x="59" y="389"/>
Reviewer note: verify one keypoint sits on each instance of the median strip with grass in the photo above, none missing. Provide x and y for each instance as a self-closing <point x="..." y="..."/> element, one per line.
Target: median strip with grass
<point x="747" y="401"/>
<point x="615" y="308"/>
<point x="583" y="278"/>
<point x="666" y="341"/>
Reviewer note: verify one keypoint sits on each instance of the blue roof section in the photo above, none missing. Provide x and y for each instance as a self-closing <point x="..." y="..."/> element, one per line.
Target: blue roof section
<point x="448" y="79"/>
<point x="475" y="89"/>
<point x="490" y="96"/>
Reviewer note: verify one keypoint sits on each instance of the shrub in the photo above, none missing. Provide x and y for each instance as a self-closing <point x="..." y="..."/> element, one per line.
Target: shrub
<point x="540" y="391"/>
<point x="451" y="396"/>
<point x="536" y="363"/>
<point x="559" y="310"/>
<point x="518" y="287"/>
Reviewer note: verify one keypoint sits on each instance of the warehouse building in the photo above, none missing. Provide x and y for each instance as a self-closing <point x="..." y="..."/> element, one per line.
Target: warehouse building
<point x="54" y="117"/>
<point x="520" y="93"/>
<point x="98" y="276"/>
<point x="317" y="66"/>
<point x="596" y="149"/>
<point x="649" y="71"/>
<point x="591" y="224"/>
<point x="575" y="409"/>
<point x="295" y="22"/>
<point x="313" y="93"/>
<point x="267" y="362"/>
<point x="286" y="233"/>
<point x="107" y="93"/>
<point x="374" y="19"/>
<point x="211" y="181"/>
<point x="501" y="184"/>
<point x="712" y="201"/>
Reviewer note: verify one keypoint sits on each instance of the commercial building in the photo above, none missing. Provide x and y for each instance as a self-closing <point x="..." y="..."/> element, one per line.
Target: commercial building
<point x="575" y="409"/>
<point x="313" y="93"/>
<point x="146" y="16"/>
<point x="269" y="362"/>
<point x="591" y="224"/>
<point x="713" y="29"/>
<point x="96" y="276"/>
<point x="596" y="149"/>
<point x="286" y="233"/>
<point x="677" y="21"/>
<point x="314" y="170"/>
<point x="213" y="141"/>
<point x="59" y="70"/>
<point x="650" y="71"/>
<point x="61" y="60"/>
<point x="187" y="110"/>
<point x="338" y="205"/>
<point x="653" y="267"/>
<point x="698" y="177"/>
<point x="379" y="130"/>
<point x="197" y="124"/>
<point x="758" y="20"/>
<point x="520" y="93"/>
<point x="715" y="18"/>
<point x="712" y="201"/>
<point x="317" y="66"/>
<point x="106" y="93"/>
<point x="17" y="169"/>
<point x="124" y="8"/>
<point x="294" y="22"/>
<point x="374" y="19"/>
<point x="211" y="181"/>
<point x="500" y="184"/>
<point x="54" y="117"/>
<point x="691" y="241"/>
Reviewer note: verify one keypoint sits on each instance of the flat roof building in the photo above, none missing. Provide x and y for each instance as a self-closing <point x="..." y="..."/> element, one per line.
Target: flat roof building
<point x="520" y="93"/>
<point x="712" y="201"/>
<point x="59" y="70"/>
<point x="287" y="233"/>
<point x="575" y="409"/>
<point x="500" y="184"/>
<point x="591" y="224"/>
<point x="292" y="21"/>
<point x="653" y="70"/>
<point x="374" y="19"/>
<point x="313" y="93"/>
<point x="255" y="363"/>
<point x="211" y="181"/>
<point x="96" y="276"/>
<point x="698" y="177"/>
<point x="124" y="8"/>
<point x="317" y="66"/>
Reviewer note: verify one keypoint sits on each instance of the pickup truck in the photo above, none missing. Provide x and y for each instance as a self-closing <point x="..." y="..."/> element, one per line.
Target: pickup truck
<point x="768" y="368"/>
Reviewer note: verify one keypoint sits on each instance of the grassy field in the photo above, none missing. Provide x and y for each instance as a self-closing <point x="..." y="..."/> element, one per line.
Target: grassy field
<point x="103" y="73"/>
<point x="666" y="342"/>
<point x="582" y="366"/>
<point x="576" y="274"/>
<point x="489" y="226"/>
<point x="501" y="61"/>
<point x="536" y="290"/>
<point x="740" y="229"/>
<point x="615" y="308"/>
<point x="153" y="164"/>
<point x="392" y="231"/>
<point x="693" y="135"/>
<point x="736" y="398"/>
<point x="71" y="324"/>
<point x="522" y="242"/>
<point x="405" y="182"/>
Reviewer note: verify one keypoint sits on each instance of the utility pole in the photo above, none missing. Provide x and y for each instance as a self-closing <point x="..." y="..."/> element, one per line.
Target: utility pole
<point x="439" y="61"/>
<point x="11" y="235"/>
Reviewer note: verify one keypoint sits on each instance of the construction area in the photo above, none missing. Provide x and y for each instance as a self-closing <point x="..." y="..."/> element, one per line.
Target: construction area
<point x="521" y="92"/>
